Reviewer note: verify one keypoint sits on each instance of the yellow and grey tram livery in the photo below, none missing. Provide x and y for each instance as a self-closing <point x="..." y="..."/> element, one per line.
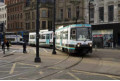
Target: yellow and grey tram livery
<point x="75" y="38"/>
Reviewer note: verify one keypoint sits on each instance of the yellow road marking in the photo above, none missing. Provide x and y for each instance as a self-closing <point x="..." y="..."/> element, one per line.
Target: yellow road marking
<point x="45" y="50"/>
<point x="90" y="73"/>
<point x="73" y="76"/>
<point x="28" y="64"/>
<point x="41" y="72"/>
<point x="12" y="69"/>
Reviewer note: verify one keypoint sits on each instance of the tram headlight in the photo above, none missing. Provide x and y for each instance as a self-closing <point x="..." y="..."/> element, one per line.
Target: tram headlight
<point x="90" y="44"/>
<point x="78" y="45"/>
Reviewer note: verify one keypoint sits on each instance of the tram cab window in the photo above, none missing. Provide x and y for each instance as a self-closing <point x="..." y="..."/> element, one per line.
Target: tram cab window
<point x="73" y="34"/>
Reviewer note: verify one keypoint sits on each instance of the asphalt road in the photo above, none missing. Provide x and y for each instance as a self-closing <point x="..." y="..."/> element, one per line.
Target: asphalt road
<point x="102" y="64"/>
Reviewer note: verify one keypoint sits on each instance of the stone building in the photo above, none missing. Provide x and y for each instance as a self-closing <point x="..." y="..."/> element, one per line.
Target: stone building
<point x="105" y="18"/>
<point x="3" y="14"/>
<point x="15" y="15"/>
<point x="46" y="15"/>
<point x="69" y="12"/>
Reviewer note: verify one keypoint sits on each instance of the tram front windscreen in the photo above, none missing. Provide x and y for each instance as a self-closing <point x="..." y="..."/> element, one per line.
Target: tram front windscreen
<point x="84" y="34"/>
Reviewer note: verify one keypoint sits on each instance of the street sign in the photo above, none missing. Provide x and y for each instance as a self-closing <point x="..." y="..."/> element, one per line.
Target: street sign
<point x="1" y="27"/>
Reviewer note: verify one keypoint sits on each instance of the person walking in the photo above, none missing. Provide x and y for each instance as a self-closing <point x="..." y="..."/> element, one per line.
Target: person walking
<point x="7" y="44"/>
<point x="2" y="45"/>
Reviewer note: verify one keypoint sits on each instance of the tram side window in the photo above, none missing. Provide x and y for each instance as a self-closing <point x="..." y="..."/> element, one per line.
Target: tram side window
<point x="65" y="35"/>
<point x="58" y="36"/>
<point x="73" y="34"/>
<point x="42" y="36"/>
<point x="32" y="37"/>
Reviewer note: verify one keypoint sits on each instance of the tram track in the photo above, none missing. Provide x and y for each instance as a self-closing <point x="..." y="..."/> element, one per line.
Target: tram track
<point x="46" y="67"/>
<point x="63" y="69"/>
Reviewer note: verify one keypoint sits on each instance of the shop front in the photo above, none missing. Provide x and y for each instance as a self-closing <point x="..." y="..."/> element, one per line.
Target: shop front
<point x="106" y="35"/>
<point x="103" y="38"/>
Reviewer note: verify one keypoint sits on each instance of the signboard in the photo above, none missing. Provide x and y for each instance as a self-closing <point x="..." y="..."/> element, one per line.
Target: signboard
<point x="1" y="27"/>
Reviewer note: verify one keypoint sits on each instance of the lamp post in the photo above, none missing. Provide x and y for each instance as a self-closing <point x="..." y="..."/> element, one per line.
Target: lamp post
<point x="54" y="51"/>
<point x="37" y="59"/>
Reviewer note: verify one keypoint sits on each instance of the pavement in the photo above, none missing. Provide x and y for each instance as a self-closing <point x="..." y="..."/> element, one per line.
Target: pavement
<point x="15" y="65"/>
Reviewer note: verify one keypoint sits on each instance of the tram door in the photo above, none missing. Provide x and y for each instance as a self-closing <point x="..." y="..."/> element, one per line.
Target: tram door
<point x="47" y="39"/>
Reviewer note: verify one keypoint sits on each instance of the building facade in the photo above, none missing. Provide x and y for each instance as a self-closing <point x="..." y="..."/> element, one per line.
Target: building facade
<point x="105" y="18"/>
<point x="69" y="12"/>
<point x="3" y="14"/>
<point x="15" y="15"/>
<point x="46" y="15"/>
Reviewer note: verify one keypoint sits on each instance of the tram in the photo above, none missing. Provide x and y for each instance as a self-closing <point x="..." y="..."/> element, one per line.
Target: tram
<point x="75" y="38"/>
<point x="46" y="38"/>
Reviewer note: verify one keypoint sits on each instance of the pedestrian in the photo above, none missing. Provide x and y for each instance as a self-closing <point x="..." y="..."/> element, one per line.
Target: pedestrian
<point x="7" y="44"/>
<point x="24" y="47"/>
<point x="2" y="45"/>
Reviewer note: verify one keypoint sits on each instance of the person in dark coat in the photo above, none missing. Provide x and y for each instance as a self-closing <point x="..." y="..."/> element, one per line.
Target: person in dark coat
<point x="2" y="45"/>
<point x="7" y="44"/>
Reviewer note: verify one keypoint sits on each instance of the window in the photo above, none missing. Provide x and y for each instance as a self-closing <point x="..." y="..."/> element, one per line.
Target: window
<point x="92" y="13"/>
<point x="73" y="34"/>
<point x="77" y="12"/>
<point x="43" y="24"/>
<point x="61" y="13"/>
<point x="44" y="13"/>
<point x="69" y="12"/>
<point x="101" y="13"/>
<point x="65" y="35"/>
<point x="110" y="13"/>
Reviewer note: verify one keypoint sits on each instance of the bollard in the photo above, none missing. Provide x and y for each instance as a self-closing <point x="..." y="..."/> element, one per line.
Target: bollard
<point x="24" y="48"/>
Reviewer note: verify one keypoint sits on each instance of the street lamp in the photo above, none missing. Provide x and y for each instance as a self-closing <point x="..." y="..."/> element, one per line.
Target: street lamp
<point x="54" y="52"/>
<point x="37" y="59"/>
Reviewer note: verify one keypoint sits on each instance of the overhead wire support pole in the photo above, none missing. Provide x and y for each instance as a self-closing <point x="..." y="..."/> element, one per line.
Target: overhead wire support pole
<point x="37" y="59"/>
<point x="54" y="51"/>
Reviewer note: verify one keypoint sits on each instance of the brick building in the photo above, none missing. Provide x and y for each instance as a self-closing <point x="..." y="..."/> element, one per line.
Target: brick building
<point x="15" y="15"/>
<point x="45" y="11"/>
